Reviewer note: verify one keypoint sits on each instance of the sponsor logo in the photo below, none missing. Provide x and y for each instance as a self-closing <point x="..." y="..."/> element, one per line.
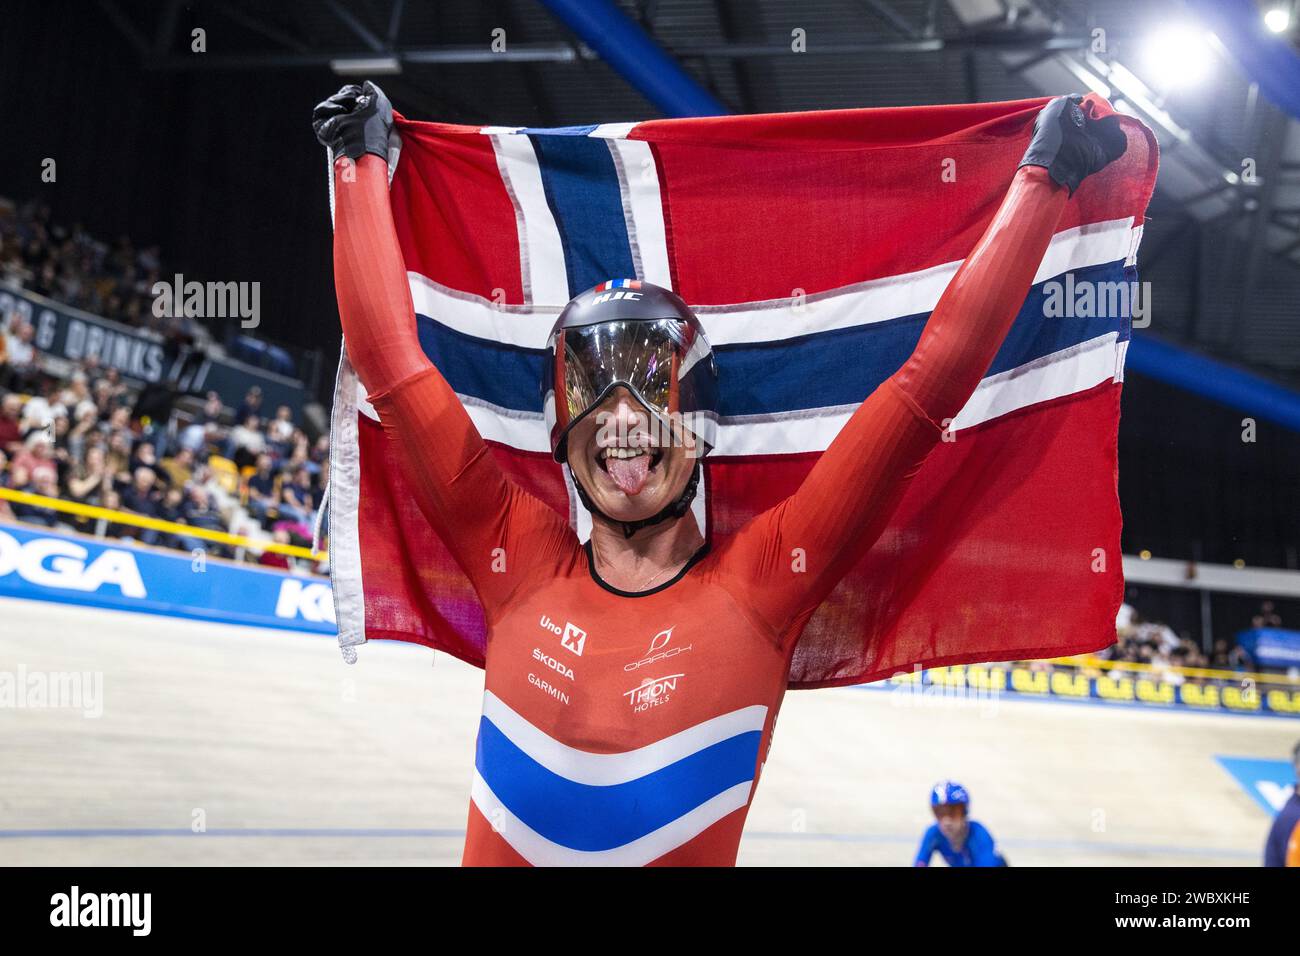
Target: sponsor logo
<point x="1267" y="781"/>
<point x="652" y="692"/>
<point x="575" y="638"/>
<point x="57" y="563"/>
<point x="615" y="296"/>
<point x="658" y="650"/>
<point x="541" y="657"/>
<point x="571" y="636"/>
<point x="310" y="600"/>
<point x="549" y="689"/>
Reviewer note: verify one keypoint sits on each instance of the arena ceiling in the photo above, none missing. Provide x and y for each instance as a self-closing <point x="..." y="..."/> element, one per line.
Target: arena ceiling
<point x="1225" y="255"/>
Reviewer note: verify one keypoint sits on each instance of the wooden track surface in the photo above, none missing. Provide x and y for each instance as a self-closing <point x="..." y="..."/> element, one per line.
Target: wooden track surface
<point x="293" y="757"/>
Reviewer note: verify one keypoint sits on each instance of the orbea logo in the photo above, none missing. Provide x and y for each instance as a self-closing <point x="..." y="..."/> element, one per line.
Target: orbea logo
<point x="658" y="650"/>
<point x="56" y="563"/>
<point x="310" y="600"/>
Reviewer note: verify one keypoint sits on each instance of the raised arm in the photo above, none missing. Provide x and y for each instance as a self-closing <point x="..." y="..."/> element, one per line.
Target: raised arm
<point x="848" y="497"/>
<point x="475" y="509"/>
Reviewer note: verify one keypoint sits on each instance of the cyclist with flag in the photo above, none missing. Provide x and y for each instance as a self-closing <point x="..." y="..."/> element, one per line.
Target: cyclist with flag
<point x="632" y="682"/>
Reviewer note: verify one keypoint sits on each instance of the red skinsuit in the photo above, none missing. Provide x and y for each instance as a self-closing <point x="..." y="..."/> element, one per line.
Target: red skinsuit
<point x="631" y="728"/>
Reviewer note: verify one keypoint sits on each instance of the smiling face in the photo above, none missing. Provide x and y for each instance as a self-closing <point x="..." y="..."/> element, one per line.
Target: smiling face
<point x="631" y="466"/>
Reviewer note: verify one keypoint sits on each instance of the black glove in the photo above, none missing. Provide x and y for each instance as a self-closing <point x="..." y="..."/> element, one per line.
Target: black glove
<point x="354" y="121"/>
<point x="1071" y="145"/>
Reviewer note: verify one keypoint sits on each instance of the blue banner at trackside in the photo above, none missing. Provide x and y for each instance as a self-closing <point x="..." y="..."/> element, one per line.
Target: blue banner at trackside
<point x="75" y="569"/>
<point x="1272" y="646"/>
<point x="1270" y="783"/>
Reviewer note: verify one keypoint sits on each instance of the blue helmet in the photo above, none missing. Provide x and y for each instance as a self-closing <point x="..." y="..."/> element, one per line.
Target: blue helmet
<point x="949" y="792"/>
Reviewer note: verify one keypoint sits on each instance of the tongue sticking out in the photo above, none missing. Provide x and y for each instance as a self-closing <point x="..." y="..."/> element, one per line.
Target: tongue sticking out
<point x="629" y="473"/>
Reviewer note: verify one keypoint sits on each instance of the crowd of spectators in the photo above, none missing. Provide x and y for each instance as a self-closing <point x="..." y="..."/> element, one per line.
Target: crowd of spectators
<point x="82" y="435"/>
<point x="80" y="439"/>
<point x="68" y="265"/>
<point x="1140" y="641"/>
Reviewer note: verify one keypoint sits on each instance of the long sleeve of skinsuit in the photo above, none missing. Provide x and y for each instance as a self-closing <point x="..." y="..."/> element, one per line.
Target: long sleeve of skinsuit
<point x="477" y="511"/>
<point x="849" y="495"/>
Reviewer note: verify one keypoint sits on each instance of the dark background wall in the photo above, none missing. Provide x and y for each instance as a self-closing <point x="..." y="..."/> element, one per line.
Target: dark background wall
<point x="220" y="169"/>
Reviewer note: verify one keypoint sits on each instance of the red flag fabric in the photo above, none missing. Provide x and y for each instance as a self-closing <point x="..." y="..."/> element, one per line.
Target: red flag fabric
<point x="813" y="246"/>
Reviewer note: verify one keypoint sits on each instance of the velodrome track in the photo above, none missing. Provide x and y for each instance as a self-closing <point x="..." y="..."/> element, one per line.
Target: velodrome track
<point x="293" y="757"/>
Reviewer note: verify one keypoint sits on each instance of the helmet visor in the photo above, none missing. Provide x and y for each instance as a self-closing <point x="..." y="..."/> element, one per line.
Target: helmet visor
<point x="665" y="363"/>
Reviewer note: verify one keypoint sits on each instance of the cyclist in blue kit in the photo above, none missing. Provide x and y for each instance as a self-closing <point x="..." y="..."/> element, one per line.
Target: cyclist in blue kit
<point x="960" y="840"/>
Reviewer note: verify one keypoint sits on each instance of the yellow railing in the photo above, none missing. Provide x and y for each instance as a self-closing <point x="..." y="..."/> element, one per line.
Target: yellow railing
<point x="157" y="524"/>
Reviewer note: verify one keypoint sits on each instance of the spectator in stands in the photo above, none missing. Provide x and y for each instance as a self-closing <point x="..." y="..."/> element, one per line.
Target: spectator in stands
<point x="246" y="442"/>
<point x="212" y="409"/>
<point x="1267" y="616"/>
<point x="320" y="452"/>
<point x="89" y="477"/>
<point x="86" y="428"/>
<point x="11" y="434"/>
<point x="21" y="480"/>
<point x="102" y="393"/>
<point x="46" y="483"/>
<point x="263" y="489"/>
<point x="171" y="507"/>
<point x="16" y="477"/>
<point x="37" y="456"/>
<point x="251" y="405"/>
<point x="143" y="457"/>
<point x="273" y="559"/>
<point x="296" y="455"/>
<point x="179" y="467"/>
<point x="199" y="512"/>
<point x="113" y="501"/>
<point x="281" y="431"/>
<point x="20" y="357"/>
<point x="141" y="497"/>
<point x="119" y="452"/>
<point x="298" y="497"/>
<point x="206" y="428"/>
<point x="117" y="418"/>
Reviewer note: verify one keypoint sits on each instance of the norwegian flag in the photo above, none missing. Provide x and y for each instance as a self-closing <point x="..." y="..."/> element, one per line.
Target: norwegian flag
<point x="813" y="247"/>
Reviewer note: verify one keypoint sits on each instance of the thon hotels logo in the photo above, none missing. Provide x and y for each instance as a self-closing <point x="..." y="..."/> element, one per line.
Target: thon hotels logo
<point x="572" y="637"/>
<point x="652" y="692"/>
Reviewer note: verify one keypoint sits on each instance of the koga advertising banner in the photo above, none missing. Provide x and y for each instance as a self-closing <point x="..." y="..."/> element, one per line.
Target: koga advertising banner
<point x="75" y="569"/>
